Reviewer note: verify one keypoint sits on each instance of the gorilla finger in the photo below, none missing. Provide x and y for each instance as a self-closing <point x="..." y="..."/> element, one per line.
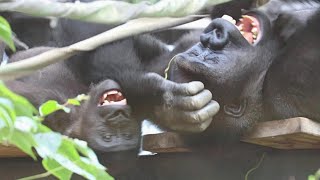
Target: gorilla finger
<point x="194" y="102"/>
<point x="192" y="128"/>
<point x="203" y="114"/>
<point x="190" y="88"/>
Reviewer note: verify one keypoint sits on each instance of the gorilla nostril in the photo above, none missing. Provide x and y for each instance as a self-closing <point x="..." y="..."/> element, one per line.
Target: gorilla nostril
<point x="127" y="136"/>
<point x="204" y="39"/>
<point x="215" y="39"/>
<point x="119" y="112"/>
<point x="218" y="39"/>
<point x="218" y="33"/>
<point x="107" y="137"/>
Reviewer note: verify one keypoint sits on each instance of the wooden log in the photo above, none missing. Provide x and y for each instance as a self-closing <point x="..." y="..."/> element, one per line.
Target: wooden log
<point x="11" y="151"/>
<point x="293" y="133"/>
<point x="165" y="142"/>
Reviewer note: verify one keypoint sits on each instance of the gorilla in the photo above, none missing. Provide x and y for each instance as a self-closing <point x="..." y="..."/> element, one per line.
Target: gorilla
<point x="250" y="67"/>
<point x="183" y="107"/>
<point x="109" y="120"/>
<point x="122" y="92"/>
<point x="106" y="111"/>
<point x="260" y="67"/>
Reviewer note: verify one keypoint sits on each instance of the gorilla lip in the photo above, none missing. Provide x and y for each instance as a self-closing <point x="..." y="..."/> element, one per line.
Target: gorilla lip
<point x="112" y="97"/>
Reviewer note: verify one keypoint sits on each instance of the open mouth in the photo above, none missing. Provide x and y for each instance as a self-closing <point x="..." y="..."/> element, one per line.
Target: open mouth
<point x="249" y="27"/>
<point x="112" y="97"/>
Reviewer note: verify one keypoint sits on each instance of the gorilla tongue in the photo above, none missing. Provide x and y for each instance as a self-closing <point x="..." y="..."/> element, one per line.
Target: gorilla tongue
<point x="112" y="97"/>
<point x="249" y="28"/>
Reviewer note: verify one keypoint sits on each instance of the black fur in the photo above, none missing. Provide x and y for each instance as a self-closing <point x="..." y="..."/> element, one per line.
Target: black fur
<point x="235" y="71"/>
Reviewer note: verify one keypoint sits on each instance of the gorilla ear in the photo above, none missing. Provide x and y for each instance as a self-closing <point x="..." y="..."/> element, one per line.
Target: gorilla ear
<point x="287" y="25"/>
<point x="289" y="16"/>
<point x="148" y="47"/>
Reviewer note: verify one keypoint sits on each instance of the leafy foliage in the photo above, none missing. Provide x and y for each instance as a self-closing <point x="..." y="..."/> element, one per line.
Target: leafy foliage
<point x="316" y="176"/>
<point x="61" y="155"/>
<point x="5" y="33"/>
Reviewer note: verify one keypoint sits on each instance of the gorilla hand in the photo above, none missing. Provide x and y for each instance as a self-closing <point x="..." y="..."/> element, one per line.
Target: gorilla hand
<point x="186" y="107"/>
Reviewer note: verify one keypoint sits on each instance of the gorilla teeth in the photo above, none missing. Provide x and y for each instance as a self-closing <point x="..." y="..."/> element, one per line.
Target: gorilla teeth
<point x="112" y="97"/>
<point x="229" y="18"/>
<point x="249" y="28"/>
<point x="112" y="92"/>
<point x="243" y="24"/>
<point x="240" y="27"/>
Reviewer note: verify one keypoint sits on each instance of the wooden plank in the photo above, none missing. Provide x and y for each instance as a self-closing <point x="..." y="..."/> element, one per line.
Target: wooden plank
<point x="11" y="151"/>
<point x="294" y="133"/>
<point x="165" y="142"/>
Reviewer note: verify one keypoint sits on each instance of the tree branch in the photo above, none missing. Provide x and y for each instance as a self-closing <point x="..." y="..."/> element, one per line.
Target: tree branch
<point x="114" y="12"/>
<point x="133" y="27"/>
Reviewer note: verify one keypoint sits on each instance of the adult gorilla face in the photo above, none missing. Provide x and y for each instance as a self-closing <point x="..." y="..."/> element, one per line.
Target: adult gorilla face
<point x="232" y="59"/>
<point x="106" y="121"/>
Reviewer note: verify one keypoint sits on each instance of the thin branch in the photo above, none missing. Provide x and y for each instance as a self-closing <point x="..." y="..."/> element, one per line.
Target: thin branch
<point x="133" y="27"/>
<point x="255" y="167"/>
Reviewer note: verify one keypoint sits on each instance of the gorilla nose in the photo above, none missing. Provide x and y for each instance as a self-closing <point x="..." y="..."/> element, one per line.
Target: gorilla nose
<point x="216" y="35"/>
<point x="116" y="115"/>
<point x="119" y="112"/>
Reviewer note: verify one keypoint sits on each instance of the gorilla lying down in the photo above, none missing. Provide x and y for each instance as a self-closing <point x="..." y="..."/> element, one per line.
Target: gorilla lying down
<point x="104" y="120"/>
<point x="122" y="92"/>
<point x="260" y="67"/>
<point x="252" y="66"/>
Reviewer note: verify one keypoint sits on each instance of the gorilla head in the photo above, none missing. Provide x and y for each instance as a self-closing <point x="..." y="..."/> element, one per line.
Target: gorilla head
<point x="233" y="57"/>
<point x="105" y="120"/>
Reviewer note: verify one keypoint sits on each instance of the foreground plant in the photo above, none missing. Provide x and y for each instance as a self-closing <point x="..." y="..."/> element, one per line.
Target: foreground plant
<point x="20" y="125"/>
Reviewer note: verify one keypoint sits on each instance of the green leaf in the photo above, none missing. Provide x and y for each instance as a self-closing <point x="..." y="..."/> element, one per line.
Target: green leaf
<point x="7" y="110"/>
<point x="311" y="177"/>
<point x="68" y="149"/>
<point x="61" y="155"/>
<point x="26" y="124"/>
<point x="43" y="129"/>
<point x="50" y="107"/>
<point x="73" y="166"/>
<point x="98" y="172"/>
<point x="76" y="101"/>
<point x="47" y="143"/>
<point x="82" y="97"/>
<point x="23" y="141"/>
<point x="6" y="34"/>
<point x="2" y="123"/>
<point x="56" y="169"/>
<point x="5" y="118"/>
<point x="73" y="102"/>
<point x="4" y="134"/>
<point x="22" y="106"/>
<point x="83" y="148"/>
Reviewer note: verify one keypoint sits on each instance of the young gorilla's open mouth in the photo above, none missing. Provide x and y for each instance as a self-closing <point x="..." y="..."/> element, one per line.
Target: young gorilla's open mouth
<point x="249" y="27"/>
<point x="112" y="97"/>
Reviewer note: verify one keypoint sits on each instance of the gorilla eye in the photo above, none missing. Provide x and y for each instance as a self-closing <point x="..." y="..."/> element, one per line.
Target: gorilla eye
<point x="112" y="97"/>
